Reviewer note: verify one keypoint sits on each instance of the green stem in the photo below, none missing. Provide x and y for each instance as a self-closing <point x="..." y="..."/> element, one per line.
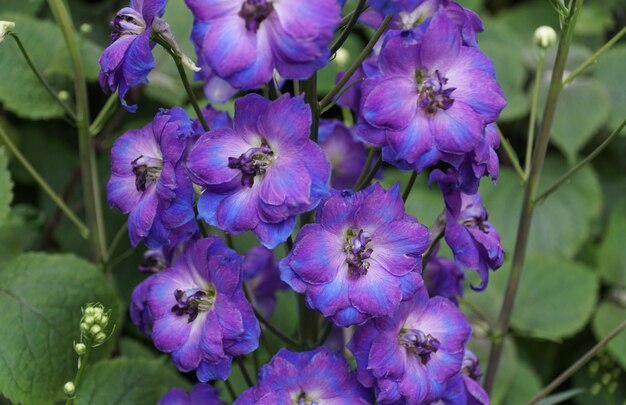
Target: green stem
<point x="409" y="187"/>
<point x="530" y="188"/>
<point x="341" y="93"/>
<point x="82" y="229"/>
<point x="117" y="238"/>
<point x="370" y="176"/>
<point x="244" y="371"/>
<point x="578" y="364"/>
<point x="81" y="370"/>
<point x="89" y="172"/>
<point x="594" y="58"/>
<point x="431" y="248"/>
<point x="364" y="55"/>
<point x="349" y="26"/>
<point x="274" y="92"/>
<point x="231" y="390"/>
<point x="325" y="333"/>
<point x="366" y="167"/>
<point x="68" y="110"/>
<point x="580" y="164"/>
<point x="534" y="104"/>
<point x="510" y="153"/>
<point x="309" y="87"/>
<point x="183" y="76"/>
<point x="103" y="116"/>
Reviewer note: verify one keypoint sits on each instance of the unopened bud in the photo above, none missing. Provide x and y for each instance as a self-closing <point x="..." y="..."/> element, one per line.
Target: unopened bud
<point x="89" y="320"/>
<point x="69" y="389"/>
<point x="84" y="327"/>
<point x="85" y="28"/>
<point x="5" y="28"/>
<point x="99" y="338"/>
<point x="80" y="348"/>
<point x="95" y="329"/>
<point x="104" y="320"/>
<point x="545" y="36"/>
<point x="63" y="95"/>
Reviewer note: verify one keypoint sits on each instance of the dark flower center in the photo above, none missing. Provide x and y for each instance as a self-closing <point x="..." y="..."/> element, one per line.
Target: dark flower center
<point x="419" y="343"/>
<point x="254" y="12"/>
<point x="470" y="367"/>
<point x="146" y="170"/>
<point x="153" y="261"/>
<point x="357" y="252"/>
<point x="303" y="400"/>
<point x="477" y="222"/>
<point x="254" y="162"/>
<point x="432" y="94"/>
<point x="193" y="301"/>
<point x="127" y="21"/>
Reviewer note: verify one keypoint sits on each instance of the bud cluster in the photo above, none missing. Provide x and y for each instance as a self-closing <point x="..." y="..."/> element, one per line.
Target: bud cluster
<point x="93" y="326"/>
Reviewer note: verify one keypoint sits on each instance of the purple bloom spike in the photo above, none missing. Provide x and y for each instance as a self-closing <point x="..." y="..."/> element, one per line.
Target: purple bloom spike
<point x="309" y="378"/>
<point x="408" y="356"/>
<point x="128" y="60"/>
<point x="261" y="173"/>
<point x="360" y="258"/>
<point x="200" y="313"/>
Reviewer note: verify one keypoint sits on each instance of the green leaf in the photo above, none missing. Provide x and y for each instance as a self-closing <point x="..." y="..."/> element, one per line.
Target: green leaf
<point x="556" y="298"/>
<point x="610" y="70"/>
<point x="41" y="296"/>
<point x="525" y="385"/>
<point x="508" y="365"/>
<point x="582" y="109"/>
<point x="561" y="223"/>
<point x="127" y="381"/>
<point x="24" y="221"/>
<point x="22" y="6"/>
<point x="608" y="316"/>
<point x="594" y="19"/>
<point x="612" y="255"/>
<point x="560" y="397"/>
<point x="6" y="187"/>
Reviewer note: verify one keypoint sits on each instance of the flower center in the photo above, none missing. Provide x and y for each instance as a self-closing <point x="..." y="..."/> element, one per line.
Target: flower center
<point x="153" y="261"/>
<point x="357" y="252"/>
<point x="432" y="94"/>
<point x="254" y="162"/>
<point x="302" y="399"/>
<point x="419" y="343"/>
<point x="146" y="170"/>
<point x="193" y="301"/>
<point x="254" y="12"/>
<point x="127" y="21"/>
<point x="470" y="366"/>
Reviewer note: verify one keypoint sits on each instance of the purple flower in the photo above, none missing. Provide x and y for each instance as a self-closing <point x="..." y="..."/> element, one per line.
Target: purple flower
<point x="443" y="277"/>
<point x="128" y="60"/>
<point x="351" y="97"/>
<point x="464" y="388"/>
<point x="473" y="240"/>
<point x="260" y="272"/>
<point x="243" y="41"/>
<point x="200" y="394"/>
<point x="360" y="258"/>
<point x="433" y="99"/>
<point x="314" y="377"/>
<point x="201" y="315"/>
<point x="406" y="357"/>
<point x="261" y="173"/>
<point x="389" y="7"/>
<point x="346" y="155"/>
<point x="149" y="182"/>
<point x="216" y="119"/>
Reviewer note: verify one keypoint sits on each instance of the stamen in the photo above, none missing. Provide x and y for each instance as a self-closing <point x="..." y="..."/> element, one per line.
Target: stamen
<point x="254" y="12"/>
<point x="432" y="94"/>
<point x="252" y="163"/>
<point x="357" y="252"/>
<point x="127" y="21"/>
<point x="418" y="343"/>
<point x="192" y="302"/>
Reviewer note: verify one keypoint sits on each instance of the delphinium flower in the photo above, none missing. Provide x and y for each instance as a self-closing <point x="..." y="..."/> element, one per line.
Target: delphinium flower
<point x="149" y="181"/>
<point x="315" y="377"/>
<point x="346" y="155"/>
<point x="432" y="100"/>
<point x="291" y="36"/>
<point x="128" y="60"/>
<point x="216" y="119"/>
<point x="473" y="240"/>
<point x="261" y="173"/>
<point x="360" y="258"/>
<point x="408" y="356"/>
<point x="200" y="313"/>
<point x="200" y="394"/>
<point x="261" y="275"/>
<point x="464" y="388"/>
<point x="443" y="277"/>
<point x="390" y="7"/>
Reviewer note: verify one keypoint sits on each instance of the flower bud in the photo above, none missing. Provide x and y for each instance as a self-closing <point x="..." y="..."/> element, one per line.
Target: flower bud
<point x="545" y="36"/>
<point x="63" y="95"/>
<point x="99" y="338"/>
<point x="84" y="327"/>
<point x="95" y="329"/>
<point x="88" y="319"/>
<point x="80" y="348"/>
<point x="69" y="389"/>
<point x="104" y="320"/>
<point x="85" y="28"/>
<point x="5" y="28"/>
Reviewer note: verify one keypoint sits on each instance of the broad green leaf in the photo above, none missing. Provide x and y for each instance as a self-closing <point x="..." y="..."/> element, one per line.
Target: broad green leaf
<point x="610" y="70"/>
<point x="22" y="6"/>
<point x="508" y="365"/>
<point x="608" y="316"/>
<point x="594" y="19"/>
<point x="556" y="298"/>
<point x="560" y="397"/>
<point x="525" y="17"/>
<point x="24" y="221"/>
<point x="41" y="296"/>
<point x="125" y="381"/>
<point x="612" y="255"/>
<point x="6" y="187"/>
<point x="525" y="385"/>
<point x="561" y="223"/>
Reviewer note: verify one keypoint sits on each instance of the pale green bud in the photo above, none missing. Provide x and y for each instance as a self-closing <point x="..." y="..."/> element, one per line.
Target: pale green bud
<point x="85" y="28"/>
<point x="104" y="320"/>
<point x="5" y="28"/>
<point x="89" y="319"/>
<point x="100" y="338"/>
<point x="84" y="327"/>
<point x="545" y="37"/>
<point x="95" y="329"/>
<point x="63" y="95"/>
<point x="80" y="348"/>
<point x="69" y="389"/>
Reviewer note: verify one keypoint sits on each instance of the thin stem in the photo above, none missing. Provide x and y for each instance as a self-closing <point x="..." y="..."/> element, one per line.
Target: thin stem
<point x="580" y="164"/>
<point x="530" y="188"/>
<point x="534" y="105"/>
<point x="89" y="172"/>
<point x="349" y="27"/>
<point x="578" y="364"/>
<point x="346" y="19"/>
<point x="83" y="365"/>
<point x="156" y="37"/>
<point x="68" y="110"/>
<point x="230" y="389"/>
<point x="341" y="93"/>
<point x="371" y="174"/>
<point x="103" y="116"/>
<point x="309" y="87"/>
<point x="431" y="248"/>
<point x="364" y="55"/>
<point x="296" y="87"/>
<point x="409" y="187"/>
<point x="510" y="153"/>
<point x="244" y="371"/>
<point x="325" y="333"/>
<point x="366" y="167"/>
<point x="594" y="58"/>
<point x="117" y="238"/>
<point x="274" y="92"/>
<point x="82" y="229"/>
